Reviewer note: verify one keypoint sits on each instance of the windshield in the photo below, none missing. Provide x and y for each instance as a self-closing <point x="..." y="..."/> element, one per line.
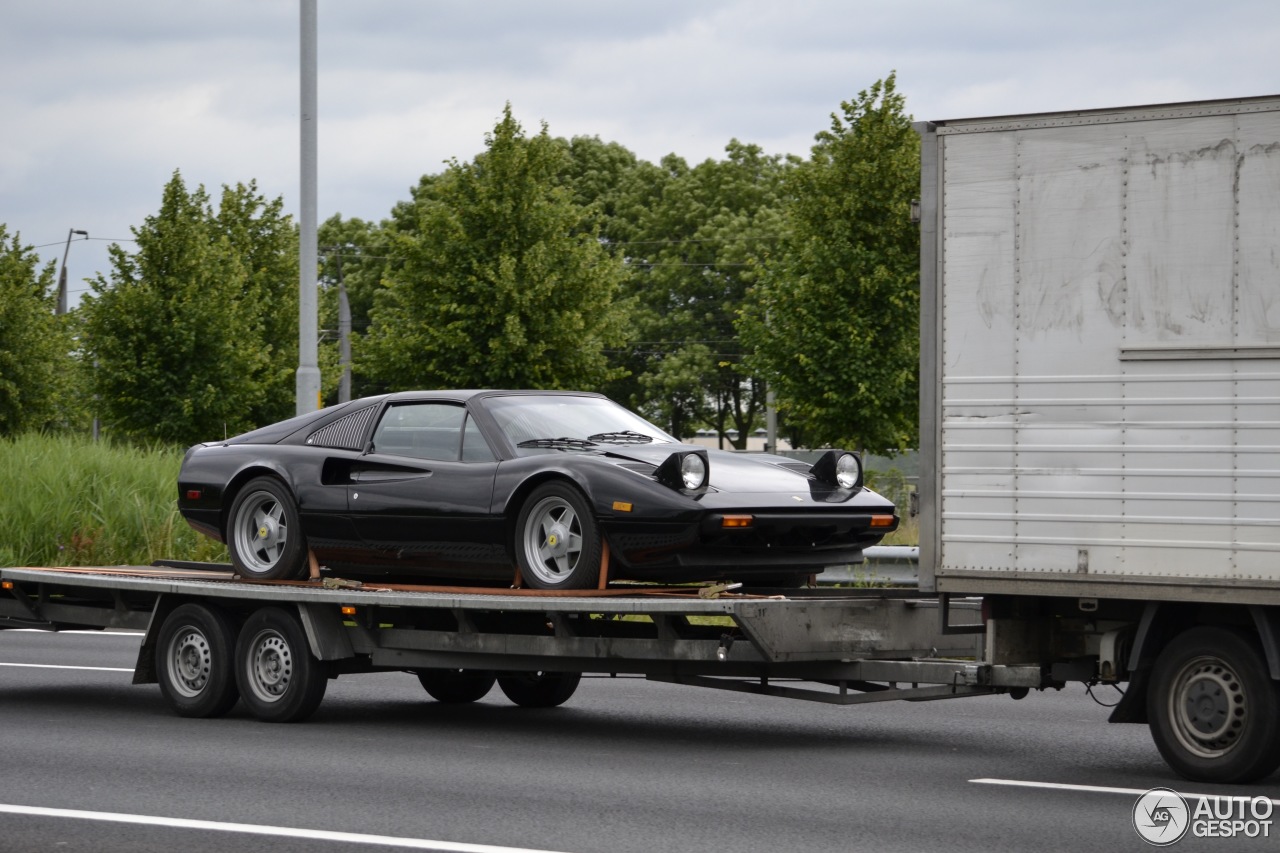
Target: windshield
<point x="532" y="422"/>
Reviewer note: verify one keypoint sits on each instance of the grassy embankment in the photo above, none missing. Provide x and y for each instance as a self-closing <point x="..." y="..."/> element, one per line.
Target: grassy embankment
<point x="70" y="502"/>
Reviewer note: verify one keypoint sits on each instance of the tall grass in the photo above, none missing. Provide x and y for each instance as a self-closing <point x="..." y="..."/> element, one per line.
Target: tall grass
<point x="71" y="502"/>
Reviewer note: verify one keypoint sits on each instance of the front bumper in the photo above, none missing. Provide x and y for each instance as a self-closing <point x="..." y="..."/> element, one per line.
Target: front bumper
<point x="774" y="540"/>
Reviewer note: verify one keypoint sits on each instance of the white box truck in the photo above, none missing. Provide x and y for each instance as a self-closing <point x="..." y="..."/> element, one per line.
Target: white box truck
<point x="1100" y="407"/>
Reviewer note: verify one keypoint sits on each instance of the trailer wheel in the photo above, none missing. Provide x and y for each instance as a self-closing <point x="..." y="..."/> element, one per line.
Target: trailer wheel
<point x="279" y="680"/>
<point x="539" y="689"/>
<point x="1214" y="711"/>
<point x="264" y="534"/>
<point x="195" y="651"/>
<point x="558" y="543"/>
<point x="456" y="686"/>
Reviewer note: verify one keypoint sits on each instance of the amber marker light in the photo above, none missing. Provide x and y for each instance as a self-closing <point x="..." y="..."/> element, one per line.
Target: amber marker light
<point x="736" y="521"/>
<point x="882" y="521"/>
<point x="6" y="584"/>
<point x="622" y="506"/>
<point x="347" y="610"/>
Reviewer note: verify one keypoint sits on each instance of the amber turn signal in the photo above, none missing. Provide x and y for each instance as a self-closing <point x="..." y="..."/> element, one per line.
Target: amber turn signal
<point x="882" y="521"/>
<point x="729" y="521"/>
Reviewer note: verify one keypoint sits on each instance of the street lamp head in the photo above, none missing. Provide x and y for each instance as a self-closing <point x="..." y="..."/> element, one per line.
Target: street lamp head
<point x="78" y="231"/>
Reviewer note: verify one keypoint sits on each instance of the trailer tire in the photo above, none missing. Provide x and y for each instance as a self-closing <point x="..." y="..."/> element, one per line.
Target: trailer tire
<point x="539" y="689"/>
<point x="558" y="543"/>
<point x="279" y="680"/>
<point x="264" y="533"/>
<point x="195" y="661"/>
<point x="1214" y="711"/>
<point x="456" y="686"/>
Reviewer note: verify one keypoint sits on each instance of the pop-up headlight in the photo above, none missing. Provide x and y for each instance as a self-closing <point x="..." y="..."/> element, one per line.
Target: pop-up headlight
<point x="839" y="468"/>
<point x="688" y="470"/>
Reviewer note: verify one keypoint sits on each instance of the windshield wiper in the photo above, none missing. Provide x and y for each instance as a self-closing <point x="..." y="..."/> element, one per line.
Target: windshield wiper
<point x="626" y="435"/>
<point x="563" y="441"/>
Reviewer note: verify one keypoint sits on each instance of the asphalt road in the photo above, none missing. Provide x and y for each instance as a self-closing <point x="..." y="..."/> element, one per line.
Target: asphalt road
<point x="627" y="765"/>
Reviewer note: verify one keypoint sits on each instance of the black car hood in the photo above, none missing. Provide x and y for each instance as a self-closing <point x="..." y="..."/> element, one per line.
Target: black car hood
<point x="730" y="472"/>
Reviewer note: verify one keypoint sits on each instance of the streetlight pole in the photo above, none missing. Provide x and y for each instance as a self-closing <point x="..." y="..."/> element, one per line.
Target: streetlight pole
<point x="308" y="377"/>
<point x="62" y="275"/>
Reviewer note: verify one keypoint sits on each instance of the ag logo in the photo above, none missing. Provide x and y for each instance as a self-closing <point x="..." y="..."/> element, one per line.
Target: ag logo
<point x="1161" y="817"/>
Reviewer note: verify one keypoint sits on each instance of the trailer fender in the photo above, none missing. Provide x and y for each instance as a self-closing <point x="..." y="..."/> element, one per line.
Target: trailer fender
<point x="325" y="632"/>
<point x="144" y="671"/>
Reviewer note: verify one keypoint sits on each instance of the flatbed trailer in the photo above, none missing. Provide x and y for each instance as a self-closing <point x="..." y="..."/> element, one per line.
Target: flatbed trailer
<point x="211" y="639"/>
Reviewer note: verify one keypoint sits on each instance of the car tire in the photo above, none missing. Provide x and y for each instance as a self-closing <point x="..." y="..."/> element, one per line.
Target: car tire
<point x="195" y="661"/>
<point x="1213" y="709"/>
<point x="456" y="686"/>
<point x="279" y="680"/>
<point x="558" y="542"/>
<point x="539" y="689"/>
<point x="264" y="534"/>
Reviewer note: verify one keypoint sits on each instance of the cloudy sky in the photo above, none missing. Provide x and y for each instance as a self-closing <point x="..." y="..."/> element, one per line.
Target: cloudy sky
<point x="101" y="102"/>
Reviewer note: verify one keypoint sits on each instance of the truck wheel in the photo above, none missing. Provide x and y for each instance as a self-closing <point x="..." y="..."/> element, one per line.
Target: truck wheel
<point x="194" y="654"/>
<point x="264" y="534"/>
<point x="456" y="686"/>
<point x="279" y="680"/>
<point x="558" y="544"/>
<point x="539" y="689"/>
<point x="1214" y="711"/>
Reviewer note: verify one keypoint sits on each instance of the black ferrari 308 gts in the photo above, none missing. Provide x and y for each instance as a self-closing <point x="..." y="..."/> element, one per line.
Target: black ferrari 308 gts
<point x="464" y="486"/>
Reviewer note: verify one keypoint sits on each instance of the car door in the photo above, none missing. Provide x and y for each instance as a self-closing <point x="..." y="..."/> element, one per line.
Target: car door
<point x="421" y="496"/>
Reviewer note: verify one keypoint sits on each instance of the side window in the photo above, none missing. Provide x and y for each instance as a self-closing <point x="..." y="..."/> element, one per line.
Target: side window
<point x="421" y="430"/>
<point x="474" y="447"/>
<point x="345" y="433"/>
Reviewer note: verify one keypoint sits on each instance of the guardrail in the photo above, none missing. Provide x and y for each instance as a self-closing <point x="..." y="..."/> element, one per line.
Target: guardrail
<point x="882" y="565"/>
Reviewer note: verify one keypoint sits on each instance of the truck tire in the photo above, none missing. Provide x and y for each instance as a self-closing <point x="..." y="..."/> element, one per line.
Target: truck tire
<point x="195" y="654"/>
<point x="279" y="680"/>
<point x="456" y="686"/>
<point x="539" y="689"/>
<point x="1214" y="711"/>
<point x="264" y="534"/>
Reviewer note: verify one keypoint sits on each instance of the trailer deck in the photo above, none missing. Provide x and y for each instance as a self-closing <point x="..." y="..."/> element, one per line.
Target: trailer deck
<point x="850" y="646"/>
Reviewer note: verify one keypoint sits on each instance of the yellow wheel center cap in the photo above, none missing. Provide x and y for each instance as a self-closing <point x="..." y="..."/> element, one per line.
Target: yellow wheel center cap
<point x="262" y="532"/>
<point x="552" y="540"/>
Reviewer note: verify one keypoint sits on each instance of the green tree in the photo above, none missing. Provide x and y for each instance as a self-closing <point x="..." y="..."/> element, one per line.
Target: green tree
<point x="36" y="367"/>
<point x="354" y="256"/>
<point x="185" y="331"/>
<point x="833" y="323"/>
<point x="498" y="282"/>
<point x="263" y="237"/>
<point x="697" y="253"/>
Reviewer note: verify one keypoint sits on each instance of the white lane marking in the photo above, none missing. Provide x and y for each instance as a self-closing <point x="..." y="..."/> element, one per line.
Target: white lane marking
<point x="1095" y="789"/>
<point x="277" y="831"/>
<point x="78" y="631"/>
<point x="64" y="666"/>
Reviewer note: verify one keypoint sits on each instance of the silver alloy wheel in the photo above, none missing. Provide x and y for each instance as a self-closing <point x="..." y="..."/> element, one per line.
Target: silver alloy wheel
<point x="1207" y="707"/>
<point x="269" y="665"/>
<point x="261" y="532"/>
<point x="189" y="661"/>
<point x="552" y="540"/>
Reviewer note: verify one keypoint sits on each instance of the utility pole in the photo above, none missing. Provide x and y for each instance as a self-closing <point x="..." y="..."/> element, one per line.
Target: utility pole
<point x="308" y="387"/>
<point x="62" y="274"/>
